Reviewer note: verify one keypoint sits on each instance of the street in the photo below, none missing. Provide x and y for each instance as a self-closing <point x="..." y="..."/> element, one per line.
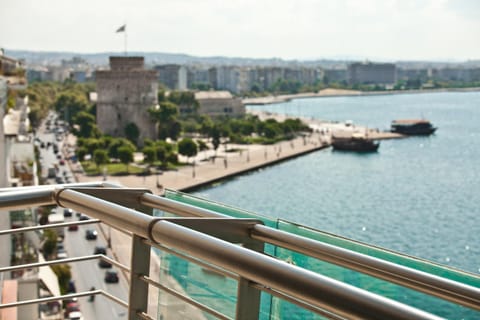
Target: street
<point x="85" y="274"/>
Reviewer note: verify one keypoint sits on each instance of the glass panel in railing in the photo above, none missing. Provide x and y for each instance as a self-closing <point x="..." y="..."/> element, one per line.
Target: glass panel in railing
<point x="395" y="292"/>
<point x="171" y="307"/>
<point x="384" y="254"/>
<point x="282" y="309"/>
<point x="217" y="207"/>
<point x="220" y="208"/>
<point x="210" y="288"/>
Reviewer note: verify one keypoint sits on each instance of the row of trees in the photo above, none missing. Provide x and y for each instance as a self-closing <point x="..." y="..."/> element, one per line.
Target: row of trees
<point x="71" y="102"/>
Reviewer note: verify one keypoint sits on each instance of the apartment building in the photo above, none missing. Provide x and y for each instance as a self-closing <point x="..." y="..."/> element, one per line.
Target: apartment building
<point x="173" y="76"/>
<point x="371" y="73"/>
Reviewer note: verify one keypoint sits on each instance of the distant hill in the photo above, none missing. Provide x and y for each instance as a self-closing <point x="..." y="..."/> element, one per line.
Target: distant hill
<point x="156" y="58"/>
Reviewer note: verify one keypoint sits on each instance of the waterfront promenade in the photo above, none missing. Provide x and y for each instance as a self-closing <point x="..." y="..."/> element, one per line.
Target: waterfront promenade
<point x="237" y="159"/>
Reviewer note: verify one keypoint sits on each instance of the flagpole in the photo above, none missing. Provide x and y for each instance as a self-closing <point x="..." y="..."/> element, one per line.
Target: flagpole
<point x="124" y="30"/>
<point x="125" y="38"/>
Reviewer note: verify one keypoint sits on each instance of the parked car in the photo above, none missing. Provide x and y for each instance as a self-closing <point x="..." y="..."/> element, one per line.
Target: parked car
<point x="111" y="276"/>
<point x="67" y="212"/>
<point x="91" y="234"/>
<point x="73" y="227"/>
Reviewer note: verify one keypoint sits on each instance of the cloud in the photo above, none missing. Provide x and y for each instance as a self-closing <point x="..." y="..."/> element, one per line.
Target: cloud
<point x="407" y="29"/>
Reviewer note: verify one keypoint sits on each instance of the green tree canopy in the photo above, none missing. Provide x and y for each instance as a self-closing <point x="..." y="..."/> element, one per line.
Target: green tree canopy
<point x="132" y="132"/>
<point x="116" y="144"/>
<point x="50" y="243"/>
<point x="63" y="273"/>
<point x="187" y="147"/>
<point x="68" y="104"/>
<point x="166" y="111"/>
<point x="100" y="156"/>
<point x="166" y="118"/>
<point x="125" y="154"/>
<point x="87" y="125"/>
<point x="149" y="154"/>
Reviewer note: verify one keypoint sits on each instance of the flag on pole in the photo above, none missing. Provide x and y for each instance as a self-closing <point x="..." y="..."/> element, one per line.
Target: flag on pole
<point x="122" y="28"/>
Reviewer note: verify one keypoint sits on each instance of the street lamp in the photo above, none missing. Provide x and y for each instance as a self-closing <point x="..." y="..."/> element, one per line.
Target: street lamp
<point x="109" y="239"/>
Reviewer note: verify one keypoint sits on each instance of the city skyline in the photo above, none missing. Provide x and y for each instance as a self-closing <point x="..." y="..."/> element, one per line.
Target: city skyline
<point x="311" y="29"/>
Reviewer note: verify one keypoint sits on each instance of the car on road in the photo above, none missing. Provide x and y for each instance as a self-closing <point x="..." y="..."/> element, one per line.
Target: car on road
<point x="71" y="287"/>
<point x="100" y="250"/>
<point x="91" y="234"/>
<point x="83" y="217"/>
<point x="75" y="315"/>
<point x="62" y="254"/>
<point x="102" y="263"/>
<point x="71" y="309"/>
<point x="73" y="227"/>
<point x="111" y="276"/>
<point x="67" y="212"/>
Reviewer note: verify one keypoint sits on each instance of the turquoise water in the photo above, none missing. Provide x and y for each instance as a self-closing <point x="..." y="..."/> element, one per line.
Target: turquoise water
<point x="419" y="195"/>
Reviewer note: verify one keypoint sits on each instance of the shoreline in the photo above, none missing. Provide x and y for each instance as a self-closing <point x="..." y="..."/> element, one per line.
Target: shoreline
<point x="329" y="92"/>
<point x="227" y="165"/>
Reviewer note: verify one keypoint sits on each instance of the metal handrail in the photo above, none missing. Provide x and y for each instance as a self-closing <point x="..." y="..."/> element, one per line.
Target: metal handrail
<point x="310" y="288"/>
<point x="326" y="293"/>
<point x="414" y="279"/>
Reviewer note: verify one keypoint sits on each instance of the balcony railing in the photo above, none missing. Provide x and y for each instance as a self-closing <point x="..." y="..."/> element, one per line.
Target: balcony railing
<point x="236" y="248"/>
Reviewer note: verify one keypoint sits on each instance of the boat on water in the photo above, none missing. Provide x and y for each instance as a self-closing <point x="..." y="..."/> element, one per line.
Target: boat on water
<point x="413" y="127"/>
<point x="354" y="142"/>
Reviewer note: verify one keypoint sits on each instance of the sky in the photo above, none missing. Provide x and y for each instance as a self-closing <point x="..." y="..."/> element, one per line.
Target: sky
<point x="440" y="30"/>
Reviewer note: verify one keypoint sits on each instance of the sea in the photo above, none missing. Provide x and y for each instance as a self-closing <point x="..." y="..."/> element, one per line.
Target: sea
<point x="418" y="195"/>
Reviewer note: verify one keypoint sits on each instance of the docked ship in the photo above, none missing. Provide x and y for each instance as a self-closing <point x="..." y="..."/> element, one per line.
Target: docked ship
<point x="413" y="127"/>
<point x="355" y="142"/>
